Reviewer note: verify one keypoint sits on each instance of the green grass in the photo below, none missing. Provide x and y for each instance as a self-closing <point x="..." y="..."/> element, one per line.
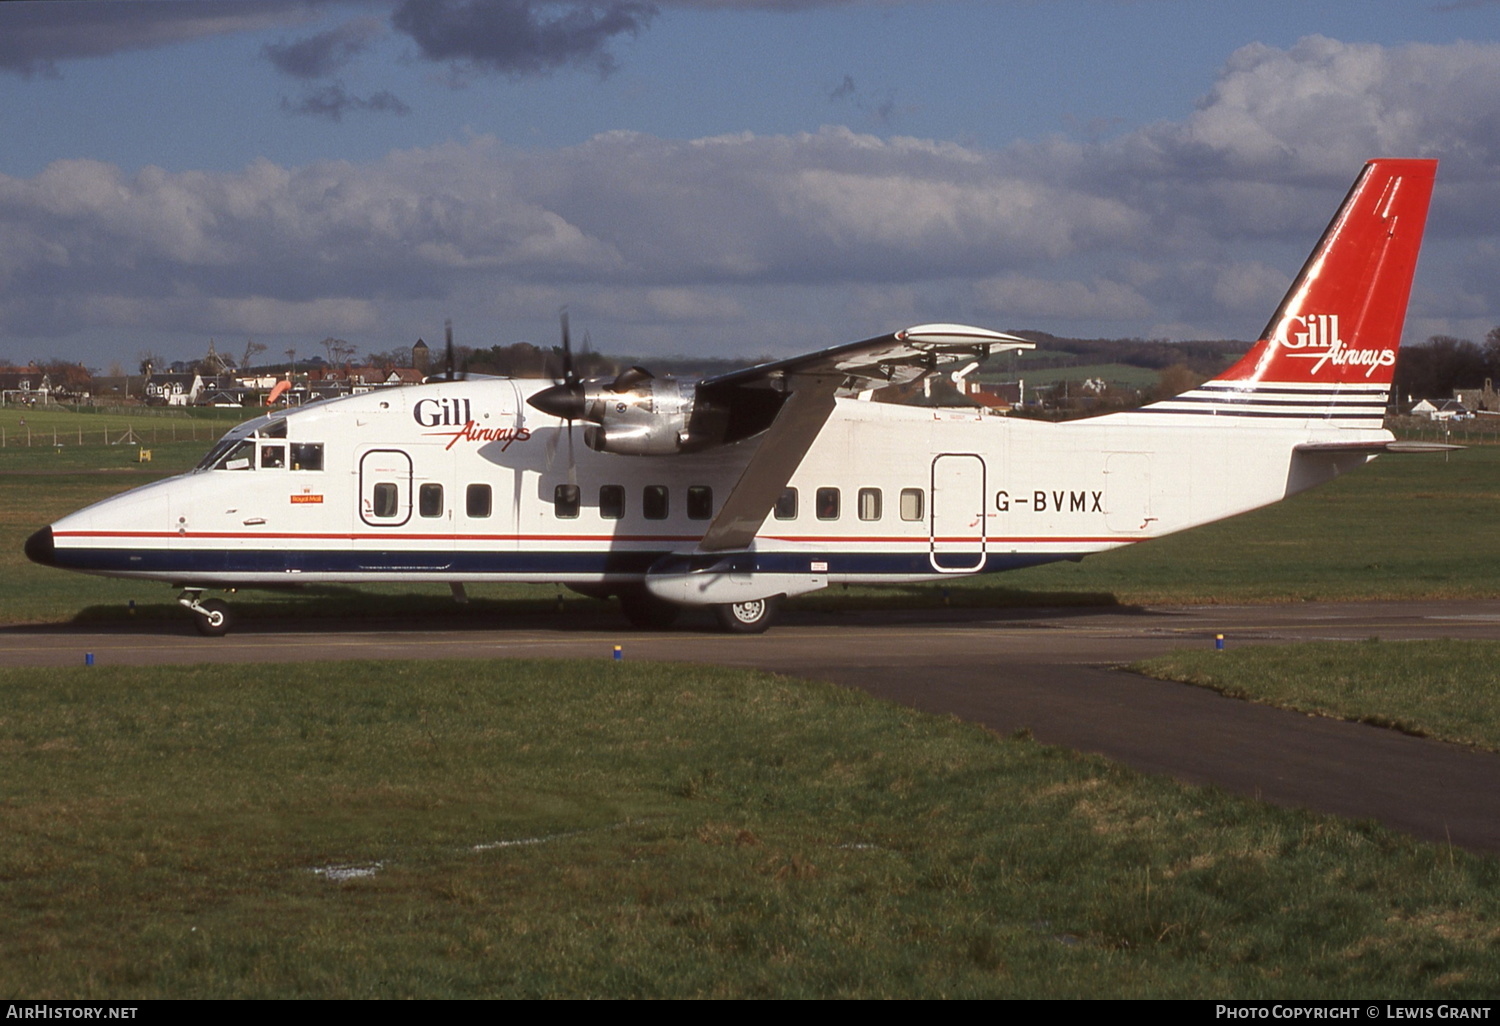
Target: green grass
<point x="1441" y="689"/>
<point x="630" y="830"/>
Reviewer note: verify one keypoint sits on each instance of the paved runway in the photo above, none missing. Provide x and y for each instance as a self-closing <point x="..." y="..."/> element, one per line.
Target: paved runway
<point x="1051" y="671"/>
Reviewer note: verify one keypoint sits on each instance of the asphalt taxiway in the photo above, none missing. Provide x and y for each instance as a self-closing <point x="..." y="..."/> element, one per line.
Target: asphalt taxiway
<point x="1051" y="671"/>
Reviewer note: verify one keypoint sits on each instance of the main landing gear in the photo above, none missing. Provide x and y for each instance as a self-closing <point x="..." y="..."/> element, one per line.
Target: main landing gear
<point x="751" y="617"/>
<point x="648" y="613"/>
<point x="211" y="616"/>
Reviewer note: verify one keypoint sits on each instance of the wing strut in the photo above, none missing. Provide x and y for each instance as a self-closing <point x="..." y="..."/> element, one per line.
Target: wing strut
<point x="781" y="450"/>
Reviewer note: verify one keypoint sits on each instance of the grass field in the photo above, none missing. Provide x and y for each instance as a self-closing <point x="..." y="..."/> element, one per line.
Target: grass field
<point x="480" y="829"/>
<point x="1442" y="689"/>
<point x="474" y="829"/>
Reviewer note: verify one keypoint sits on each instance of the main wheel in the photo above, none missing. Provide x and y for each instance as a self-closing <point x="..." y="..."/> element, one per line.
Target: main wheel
<point x="647" y="612"/>
<point x="212" y="617"/>
<point x="751" y="617"/>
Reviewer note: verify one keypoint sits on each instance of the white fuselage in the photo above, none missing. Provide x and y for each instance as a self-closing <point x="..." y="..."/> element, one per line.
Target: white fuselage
<point x="462" y="481"/>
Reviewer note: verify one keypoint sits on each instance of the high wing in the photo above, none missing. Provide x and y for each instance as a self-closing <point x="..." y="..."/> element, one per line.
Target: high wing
<point x="800" y="393"/>
<point x="892" y="359"/>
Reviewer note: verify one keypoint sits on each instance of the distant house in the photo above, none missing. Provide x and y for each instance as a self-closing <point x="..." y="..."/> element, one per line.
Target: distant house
<point x="1443" y="409"/>
<point x="174" y="389"/>
<point x="1002" y="397"/>
<point x="1480" y="400"/>
<point x="25" y="385"/>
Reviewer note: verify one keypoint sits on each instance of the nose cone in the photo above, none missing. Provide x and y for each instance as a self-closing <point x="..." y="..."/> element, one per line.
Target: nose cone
<point x="39" y="548"/>
<point x="565" y="401"/>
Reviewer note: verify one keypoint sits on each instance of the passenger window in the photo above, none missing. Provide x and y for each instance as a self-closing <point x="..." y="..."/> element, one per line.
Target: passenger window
<point x="911" y="504"/>
<point x="477" y="500"/>
<point x="272" y="457"/>
<point x="307" y="455"/>
<point x="430" y="500"/>
<point x="828" y="503"/>
<point x="700" y="503"/>
<point x="869" y="504"/>
<point x="385" y="504"/>
<point x="565" y="501"/>
<point x="611" y="501"/>
<point x="786" y="505"/>
<point x="654" y="502"/>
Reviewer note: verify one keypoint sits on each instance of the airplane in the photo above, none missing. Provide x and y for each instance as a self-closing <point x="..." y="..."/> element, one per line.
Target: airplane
<point x="740" y="490"/>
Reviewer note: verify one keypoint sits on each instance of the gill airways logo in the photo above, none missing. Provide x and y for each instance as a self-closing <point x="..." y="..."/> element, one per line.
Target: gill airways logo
<point x="458" y="413"/>
<point x="1320" y="332"/>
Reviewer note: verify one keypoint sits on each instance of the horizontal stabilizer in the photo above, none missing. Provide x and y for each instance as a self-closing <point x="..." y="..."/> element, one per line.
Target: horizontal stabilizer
<point x="1374" y="448"/>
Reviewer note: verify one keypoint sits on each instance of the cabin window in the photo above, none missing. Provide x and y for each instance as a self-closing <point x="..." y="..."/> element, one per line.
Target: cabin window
<point x="654" y="502"/>
<point x="566" y="500"/>
<point x="911" y="504"/>
<point x="700" y="503"/>
<point x="272" y="457"/>
<point x="611" y="501"/>
<point x="828" y="504"/>
<point x="275" y="429"/>
<point x="869" y="504"/>
<point x="477" y="500"/>
<point x="786" y="504"/>
<point x="307" y="455"/>
<point x="385" y="501"/>
<point x="430" y="500"/>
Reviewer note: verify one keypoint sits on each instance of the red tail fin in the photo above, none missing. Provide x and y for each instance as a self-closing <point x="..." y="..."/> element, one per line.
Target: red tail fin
<point x="1341" y="321"/>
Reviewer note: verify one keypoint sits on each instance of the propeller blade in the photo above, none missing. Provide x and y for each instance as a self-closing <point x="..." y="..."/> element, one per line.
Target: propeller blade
<point x="552" y="448"/>
<point x="572" y="460"/>
<point x="629" y="378"/>
<point x="448" y="330"/>
<point x="567" y="351"/>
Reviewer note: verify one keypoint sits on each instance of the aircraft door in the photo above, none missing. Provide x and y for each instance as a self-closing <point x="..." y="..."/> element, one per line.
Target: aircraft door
<point x="958" y="524"/>
<point x="385" y="488"/>
<point x="1127" y="492"/>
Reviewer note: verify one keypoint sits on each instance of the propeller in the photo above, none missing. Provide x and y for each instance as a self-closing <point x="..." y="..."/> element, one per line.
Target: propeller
<point x="565" y="400"/>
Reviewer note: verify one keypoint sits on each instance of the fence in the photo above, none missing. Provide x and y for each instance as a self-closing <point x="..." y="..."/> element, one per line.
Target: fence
<point x="126" y="434"/>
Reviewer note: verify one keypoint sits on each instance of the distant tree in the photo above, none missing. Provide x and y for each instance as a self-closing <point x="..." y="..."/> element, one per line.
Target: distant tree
<point x="150" y="362"/>
<point x="1433" y="369"/>
<point x="390" y="359"/>
<point x="252" y="350"/>
<point x="66" y="377"/>
<point x="1174" y="380"/>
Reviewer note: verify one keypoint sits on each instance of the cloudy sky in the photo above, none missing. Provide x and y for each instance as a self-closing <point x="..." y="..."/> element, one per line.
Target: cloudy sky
<point x="715" y="176"/>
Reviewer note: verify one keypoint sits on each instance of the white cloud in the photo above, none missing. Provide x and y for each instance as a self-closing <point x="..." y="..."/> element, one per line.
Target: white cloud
<point x="790" y="239"/>
<point x="1019" y="296"/>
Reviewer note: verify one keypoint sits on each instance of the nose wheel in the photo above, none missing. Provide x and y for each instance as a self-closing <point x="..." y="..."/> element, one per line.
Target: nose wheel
<point x="210" y="616"/>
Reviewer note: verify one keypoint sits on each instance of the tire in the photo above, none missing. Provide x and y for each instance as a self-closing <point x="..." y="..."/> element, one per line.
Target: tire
<point x="214" y="620"/>
<point x="752" y="617"/>
<point x="647" y="612"/>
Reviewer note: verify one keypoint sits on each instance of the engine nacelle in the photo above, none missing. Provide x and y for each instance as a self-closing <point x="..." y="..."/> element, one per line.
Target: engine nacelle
<point x="652" y="418"/>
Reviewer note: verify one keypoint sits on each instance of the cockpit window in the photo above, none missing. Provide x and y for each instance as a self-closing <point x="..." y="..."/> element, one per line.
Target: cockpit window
<point x="217" y="453"/>
<point x="242" y="456"/>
